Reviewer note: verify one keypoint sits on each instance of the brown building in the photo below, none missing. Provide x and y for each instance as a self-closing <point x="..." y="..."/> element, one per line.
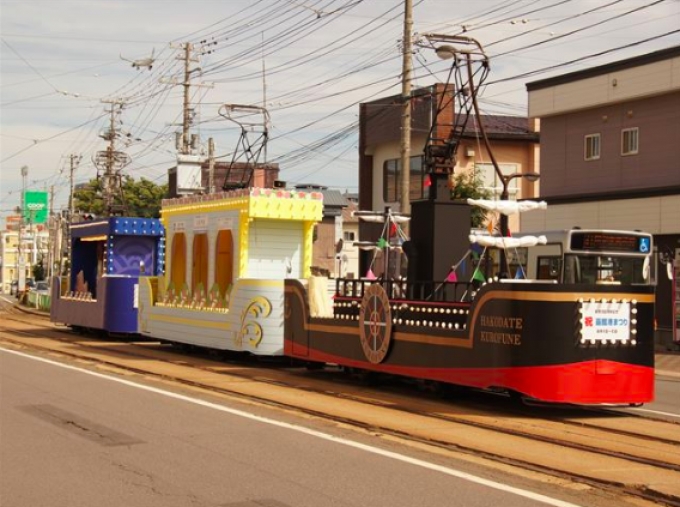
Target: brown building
<point x="263" y="175"/>
<point x="514" y="141"/>
<point x="610" y="156"/>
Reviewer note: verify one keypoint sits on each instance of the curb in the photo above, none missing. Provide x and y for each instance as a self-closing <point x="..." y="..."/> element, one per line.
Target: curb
<point x="32" y="311"/>
<point x="664" y="373"/>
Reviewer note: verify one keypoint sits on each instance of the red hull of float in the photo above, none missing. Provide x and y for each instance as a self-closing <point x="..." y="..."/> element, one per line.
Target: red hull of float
<point x="588" y="382"/>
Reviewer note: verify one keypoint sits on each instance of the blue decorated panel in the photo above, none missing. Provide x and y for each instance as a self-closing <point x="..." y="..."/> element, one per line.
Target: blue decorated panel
<point x="129" y="252"/>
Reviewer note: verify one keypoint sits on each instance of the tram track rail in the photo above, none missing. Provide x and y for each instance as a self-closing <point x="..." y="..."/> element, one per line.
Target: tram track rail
<point x="649" y="458"/>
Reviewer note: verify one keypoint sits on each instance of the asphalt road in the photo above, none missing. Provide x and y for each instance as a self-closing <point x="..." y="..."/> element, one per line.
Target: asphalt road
<point x="666" y="404"/>
<point x="71" y="438"/>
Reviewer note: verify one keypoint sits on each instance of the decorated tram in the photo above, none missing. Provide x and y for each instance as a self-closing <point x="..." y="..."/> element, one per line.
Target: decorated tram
<point x="108" y="258"/>
<point x="569" y="320"/>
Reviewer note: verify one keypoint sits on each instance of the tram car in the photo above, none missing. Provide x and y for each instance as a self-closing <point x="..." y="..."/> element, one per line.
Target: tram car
<point x="570" y="322"/>
<point x="108" y="259"/>
<point x="228" y="256"/>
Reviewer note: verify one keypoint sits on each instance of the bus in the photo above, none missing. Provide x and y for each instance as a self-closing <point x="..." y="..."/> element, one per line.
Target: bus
<point x="588" y="256"/>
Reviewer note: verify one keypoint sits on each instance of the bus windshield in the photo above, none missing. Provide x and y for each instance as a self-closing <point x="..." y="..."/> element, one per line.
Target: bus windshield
<point x="604" y="269"/>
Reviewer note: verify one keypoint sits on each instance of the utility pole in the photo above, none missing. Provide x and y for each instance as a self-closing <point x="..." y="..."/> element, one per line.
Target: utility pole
<point x="108" y="174"/>
<point x="51" y="230"/>
<point x="188" y="56"/>
<point x="264" y="94"/>
<point x="405" y="176"/>
<point x="189" y="164"/>
<point x="21" y="261"/>
<point x="112" y="161"/>
<point x="211" y="166"/>
<point x="186" y="116"/>
<point x="75" y="160"/>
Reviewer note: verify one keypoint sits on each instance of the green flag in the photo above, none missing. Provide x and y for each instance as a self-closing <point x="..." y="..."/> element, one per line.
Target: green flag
<point x="382" y="243"/>
<point x="478" y="275"/>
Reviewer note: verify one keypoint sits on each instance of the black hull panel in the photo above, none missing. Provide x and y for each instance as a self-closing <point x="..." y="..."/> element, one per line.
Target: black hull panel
<point x="521" y="337"/>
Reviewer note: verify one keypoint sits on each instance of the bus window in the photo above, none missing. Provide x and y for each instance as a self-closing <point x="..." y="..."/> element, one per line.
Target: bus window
<point x="548" y="268"/>
<point x="604" y="269"/>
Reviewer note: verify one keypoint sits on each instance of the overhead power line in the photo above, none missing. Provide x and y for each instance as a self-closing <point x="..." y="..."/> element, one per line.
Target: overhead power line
<point x="582" y="58"/>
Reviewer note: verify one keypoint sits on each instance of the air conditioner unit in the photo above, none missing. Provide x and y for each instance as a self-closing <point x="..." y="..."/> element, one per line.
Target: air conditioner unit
<point x="470" y="152"/>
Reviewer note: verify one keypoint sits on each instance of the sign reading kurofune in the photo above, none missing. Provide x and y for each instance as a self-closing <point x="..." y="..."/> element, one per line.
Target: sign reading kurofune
<point x="35" y="207"/>
<point x="605" y="321"/>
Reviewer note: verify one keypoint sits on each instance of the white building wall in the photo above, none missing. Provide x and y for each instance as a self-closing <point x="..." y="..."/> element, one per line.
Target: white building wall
<point x="350" y="254"/>
<point x="618" y="86"/>
<point x="656" y="215"/>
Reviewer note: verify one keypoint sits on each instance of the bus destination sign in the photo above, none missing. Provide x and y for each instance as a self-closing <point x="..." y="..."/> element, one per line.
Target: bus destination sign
<point x="609" y="241"/>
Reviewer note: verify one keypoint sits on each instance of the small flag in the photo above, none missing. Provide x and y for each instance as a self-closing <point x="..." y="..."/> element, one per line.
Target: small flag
<point x="452" y="276"/>
<point x="478" y="275"/>
<point x="370" y="275"/>
<point x="382" y="243"/>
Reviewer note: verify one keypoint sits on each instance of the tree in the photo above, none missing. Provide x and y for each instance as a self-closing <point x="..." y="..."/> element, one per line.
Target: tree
<point x="142" y="198"/>
<point x="469" y="185"/>
<point x="39" y="269"/>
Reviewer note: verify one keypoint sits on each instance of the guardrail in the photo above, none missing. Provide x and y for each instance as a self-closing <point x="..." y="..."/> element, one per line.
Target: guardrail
<point x="39" y="301"/>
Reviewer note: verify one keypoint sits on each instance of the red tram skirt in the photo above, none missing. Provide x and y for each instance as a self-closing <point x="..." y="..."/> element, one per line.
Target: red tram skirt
<point x="590" y="382"/>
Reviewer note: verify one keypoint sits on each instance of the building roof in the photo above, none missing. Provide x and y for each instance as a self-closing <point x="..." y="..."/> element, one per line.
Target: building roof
<point x="334" y="198"/>
<point x="629" y="63"/>
<point x="331" y="198"/>
<point x="502" y="127"/>
<point x="385" y="117"/>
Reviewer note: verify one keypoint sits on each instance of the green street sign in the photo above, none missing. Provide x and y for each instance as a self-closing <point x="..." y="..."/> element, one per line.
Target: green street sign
<point x="35" y="207"/>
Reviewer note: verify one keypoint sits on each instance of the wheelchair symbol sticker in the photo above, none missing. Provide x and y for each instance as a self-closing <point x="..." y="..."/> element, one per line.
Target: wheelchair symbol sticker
<point x="644" y="245"/>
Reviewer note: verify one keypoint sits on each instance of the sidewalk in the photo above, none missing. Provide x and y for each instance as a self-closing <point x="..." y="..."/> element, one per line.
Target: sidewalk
<point x="668" y="364"/>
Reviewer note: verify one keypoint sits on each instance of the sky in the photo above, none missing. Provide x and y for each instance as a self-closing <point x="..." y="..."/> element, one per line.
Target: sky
<point x="308" y="63"/>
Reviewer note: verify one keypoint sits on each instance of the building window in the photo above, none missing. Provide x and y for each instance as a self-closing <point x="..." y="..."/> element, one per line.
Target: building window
<point x="629" y="141"/>
<point x="392" y="183"/>
<point x="491" y="182"/>
<point x="592" y="147"/>
<point x="348" y="235"/>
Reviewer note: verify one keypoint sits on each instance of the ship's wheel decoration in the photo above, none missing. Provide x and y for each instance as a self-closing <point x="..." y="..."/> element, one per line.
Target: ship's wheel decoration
<point x="375" y="323"/>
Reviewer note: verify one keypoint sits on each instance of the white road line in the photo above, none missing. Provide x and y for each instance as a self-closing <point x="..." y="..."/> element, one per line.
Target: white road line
<point x="325" y="436"/>
<point x="655" y="412"/>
